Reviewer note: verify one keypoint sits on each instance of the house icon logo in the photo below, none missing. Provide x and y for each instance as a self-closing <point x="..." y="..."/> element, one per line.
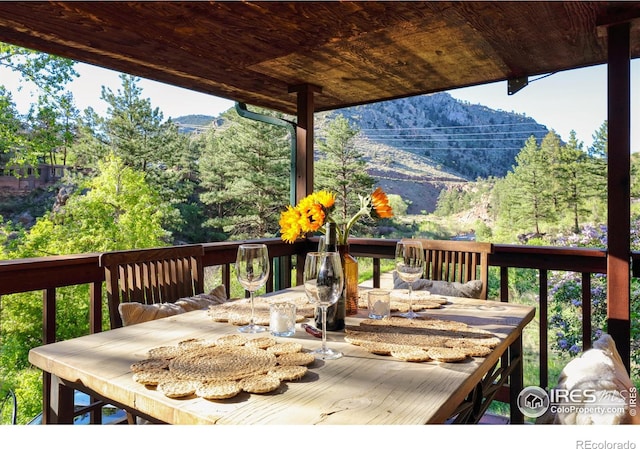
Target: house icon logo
<point x="533" y="402"/>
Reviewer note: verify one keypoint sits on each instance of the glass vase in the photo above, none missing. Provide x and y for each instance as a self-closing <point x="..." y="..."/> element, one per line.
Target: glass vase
<point x="350" y="268"/>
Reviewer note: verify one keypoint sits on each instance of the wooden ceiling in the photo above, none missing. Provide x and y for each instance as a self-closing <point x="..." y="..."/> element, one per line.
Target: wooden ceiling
<point x="355" y="52"/>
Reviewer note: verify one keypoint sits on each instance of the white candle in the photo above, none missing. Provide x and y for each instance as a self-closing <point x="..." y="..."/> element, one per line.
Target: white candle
<point x="379" y="308"/>
<point x="279" y="321"/>
<point x="282" y="319"/>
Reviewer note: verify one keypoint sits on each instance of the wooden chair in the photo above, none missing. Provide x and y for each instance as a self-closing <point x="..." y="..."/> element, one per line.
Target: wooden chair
<point x="457" y="261"/>
<point x="152" y="276"/>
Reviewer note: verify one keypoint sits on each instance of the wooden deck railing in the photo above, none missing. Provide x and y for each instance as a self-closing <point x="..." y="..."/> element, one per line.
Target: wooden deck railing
<point x="50" y="273"/>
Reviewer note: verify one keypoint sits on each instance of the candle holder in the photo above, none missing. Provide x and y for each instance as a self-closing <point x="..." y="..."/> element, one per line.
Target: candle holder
<point x="282" y="319"/>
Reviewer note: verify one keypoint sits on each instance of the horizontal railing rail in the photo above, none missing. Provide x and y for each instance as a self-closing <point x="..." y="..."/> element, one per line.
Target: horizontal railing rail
<point x="50" y="273"/>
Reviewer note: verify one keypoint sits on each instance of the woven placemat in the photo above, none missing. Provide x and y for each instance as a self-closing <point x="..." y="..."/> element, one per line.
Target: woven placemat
<point x="222" y="363"/>
<point x="453" y="340"/>
<point x="422" y="300"/>
<point x="238" y="312"/>
<point x="217" y="369"/>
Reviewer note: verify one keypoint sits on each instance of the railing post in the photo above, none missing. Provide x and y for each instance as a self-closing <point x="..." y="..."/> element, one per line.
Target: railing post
<point x="48" y="336"/>
<point x="504" y="284"/>
<point x="95" y="307"/>
<point x="544" y="329"/>
<point x="586" y="311"/>
<point x="376" y="272"/>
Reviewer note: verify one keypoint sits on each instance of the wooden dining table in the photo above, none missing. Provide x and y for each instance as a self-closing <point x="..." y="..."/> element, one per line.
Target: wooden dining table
<point x="359" y="388"/>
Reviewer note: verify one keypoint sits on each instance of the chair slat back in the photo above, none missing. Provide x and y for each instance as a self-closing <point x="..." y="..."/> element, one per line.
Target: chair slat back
<point x="152" y="276"/>
<point x="457" y="261"/>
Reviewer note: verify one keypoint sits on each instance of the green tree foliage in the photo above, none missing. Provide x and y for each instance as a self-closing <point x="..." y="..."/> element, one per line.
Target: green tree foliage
<point x="116" y="209"/>
<point x="53" y="128"/>
<point x="49" y="123"/>
<point x="11" y="136"/>
<point x="635" y="175"/>
<point x="398" y="205"/>
<point x="529" y="197"/>
<point x="555" y="184"/>
<point x="596" y="166"/>
<point x="217" y="179"/>
<point x="245" y="170"/>
<point x="136" y="133"/>
<point x="452" y="200"/>
<point x="133" y="127"/>
<point x="571" y="182"/>
<point x="340" y="168"/>
<point x="49" y="73"/>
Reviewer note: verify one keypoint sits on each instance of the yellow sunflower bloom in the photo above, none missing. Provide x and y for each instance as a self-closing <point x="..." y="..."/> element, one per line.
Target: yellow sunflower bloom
<point x="380" y="203"/>
<point x="289" y="227"/>
<point x="313" y="211"/>
<point x="316" y="216"/>
<point x="326" y="199"/>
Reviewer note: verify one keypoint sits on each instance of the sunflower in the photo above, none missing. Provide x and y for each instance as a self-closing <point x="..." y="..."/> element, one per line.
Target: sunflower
<point x="380" y="204"/>
<point x="290" y="224"/>
<point x="314" y="210"/>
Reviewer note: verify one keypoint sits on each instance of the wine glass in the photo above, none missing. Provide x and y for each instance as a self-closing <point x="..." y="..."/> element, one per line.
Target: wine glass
<point x="409" y="266"/>
<point x="252" y="270"/>
<point x="323" y="283"/>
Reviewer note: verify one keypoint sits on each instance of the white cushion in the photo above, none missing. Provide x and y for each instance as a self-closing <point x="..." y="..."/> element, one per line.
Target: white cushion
<point x="471" y="289"/>
<point x="135" y="313"/>
<point x="599" y="369"/>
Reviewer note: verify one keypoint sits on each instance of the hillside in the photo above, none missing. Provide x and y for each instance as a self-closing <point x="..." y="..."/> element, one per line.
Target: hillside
<point x="472" y="141"/>
<point x="417" y="180"/>
<point x="416" y="147"/>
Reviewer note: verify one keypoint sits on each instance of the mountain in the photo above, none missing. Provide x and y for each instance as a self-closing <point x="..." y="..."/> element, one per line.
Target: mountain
<point x="196" y="123"/>
<point x="472" y="141"/>
<point x="418" y="146"/>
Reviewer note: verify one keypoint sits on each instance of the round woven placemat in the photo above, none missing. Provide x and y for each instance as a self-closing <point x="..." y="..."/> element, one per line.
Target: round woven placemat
<point x="238" y="312"/>
<point x="401" y="335"/>
<point x="222" y="363"/>
<point x="399" y="300"/>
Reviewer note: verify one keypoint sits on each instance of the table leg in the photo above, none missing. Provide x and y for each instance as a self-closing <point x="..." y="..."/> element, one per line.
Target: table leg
<point x="61" y="404"/>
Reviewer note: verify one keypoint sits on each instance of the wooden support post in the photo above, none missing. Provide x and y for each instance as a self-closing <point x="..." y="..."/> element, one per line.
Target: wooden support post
<point x="304" y="136"/>
<point x="619" y="221"/>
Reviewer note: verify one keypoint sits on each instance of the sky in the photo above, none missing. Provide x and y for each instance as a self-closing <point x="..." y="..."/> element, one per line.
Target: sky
<point x="572" y="100"/>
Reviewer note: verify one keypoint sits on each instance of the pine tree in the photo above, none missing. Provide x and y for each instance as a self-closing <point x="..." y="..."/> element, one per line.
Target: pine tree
<point x="570" y="174"/>
<point x="48" y="127"/>
<point x="530" y="200"/>
<point x="597" y="165"/>
<point x="136" y="133"/>
<point x="218" y="174"/>
<point x="250" y="166"/>
<point x="340" y="168"/>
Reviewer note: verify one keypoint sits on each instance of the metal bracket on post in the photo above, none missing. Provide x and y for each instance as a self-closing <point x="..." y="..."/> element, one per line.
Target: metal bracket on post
<point x="515" y="84"/>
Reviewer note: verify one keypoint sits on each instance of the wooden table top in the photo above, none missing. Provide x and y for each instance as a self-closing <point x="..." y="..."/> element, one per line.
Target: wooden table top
<point x="359" y="388"/>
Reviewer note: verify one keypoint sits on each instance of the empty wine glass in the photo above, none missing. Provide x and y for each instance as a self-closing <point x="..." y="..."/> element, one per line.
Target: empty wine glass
<point x="323" y="283"/>
<point x="252" y="270"/>
<point x="409" y="266"/>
